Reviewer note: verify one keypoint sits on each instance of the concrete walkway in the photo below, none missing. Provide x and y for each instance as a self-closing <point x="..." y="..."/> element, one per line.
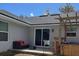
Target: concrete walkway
<point x="38" y="52"/>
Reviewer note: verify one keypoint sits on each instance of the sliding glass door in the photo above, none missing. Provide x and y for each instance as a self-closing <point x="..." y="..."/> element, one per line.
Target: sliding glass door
<point x="42" y="37"/>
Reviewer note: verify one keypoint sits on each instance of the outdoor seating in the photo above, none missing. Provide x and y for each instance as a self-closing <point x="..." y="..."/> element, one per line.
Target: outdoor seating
<point x="20" y="44"/>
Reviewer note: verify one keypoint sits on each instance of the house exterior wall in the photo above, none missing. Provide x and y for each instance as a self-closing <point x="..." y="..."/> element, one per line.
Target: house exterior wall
<point x="53" y="34"/>
<point x="22" y="32"/>
<point x="15" y="32"/>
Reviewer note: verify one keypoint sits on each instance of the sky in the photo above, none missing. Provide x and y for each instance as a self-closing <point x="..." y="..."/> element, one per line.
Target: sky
<point x="34" y="9"/>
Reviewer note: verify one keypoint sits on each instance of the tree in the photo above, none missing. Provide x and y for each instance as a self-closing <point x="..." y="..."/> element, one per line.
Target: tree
<point x="67" y="8"/>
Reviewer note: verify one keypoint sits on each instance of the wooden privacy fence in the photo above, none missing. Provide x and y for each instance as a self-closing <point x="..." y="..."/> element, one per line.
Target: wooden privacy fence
<point x="70" y="49"/>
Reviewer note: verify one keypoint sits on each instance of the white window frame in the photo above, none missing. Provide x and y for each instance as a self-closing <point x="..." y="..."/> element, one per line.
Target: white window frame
<point x="5" y="31"/>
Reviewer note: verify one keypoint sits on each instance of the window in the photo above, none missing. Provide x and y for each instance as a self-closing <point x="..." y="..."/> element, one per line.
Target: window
<point x="71" y="31"/>
<point x="45" y="34"/>
<point x="73" y="34"/>
<point x="3" y="31"/>
<point x="3" y="36"/>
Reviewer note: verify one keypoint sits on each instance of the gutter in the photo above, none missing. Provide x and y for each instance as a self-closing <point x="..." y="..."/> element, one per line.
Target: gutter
<point x="14" y="18"/>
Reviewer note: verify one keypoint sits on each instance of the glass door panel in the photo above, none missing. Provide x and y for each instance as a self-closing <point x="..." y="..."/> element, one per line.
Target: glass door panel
<point x="38" y="37"/>
<point x="45" y="40"/>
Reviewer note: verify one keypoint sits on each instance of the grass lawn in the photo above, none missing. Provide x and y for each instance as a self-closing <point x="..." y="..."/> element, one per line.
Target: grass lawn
<point x="14" y="53"/>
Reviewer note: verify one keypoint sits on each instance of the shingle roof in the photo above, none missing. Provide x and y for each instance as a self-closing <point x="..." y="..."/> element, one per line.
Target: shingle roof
<point x="32" y="20"/>
<point x="43" y="19"/>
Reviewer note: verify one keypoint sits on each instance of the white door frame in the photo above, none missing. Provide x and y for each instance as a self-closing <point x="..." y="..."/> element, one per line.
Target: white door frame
<point x="42" y="32"/>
